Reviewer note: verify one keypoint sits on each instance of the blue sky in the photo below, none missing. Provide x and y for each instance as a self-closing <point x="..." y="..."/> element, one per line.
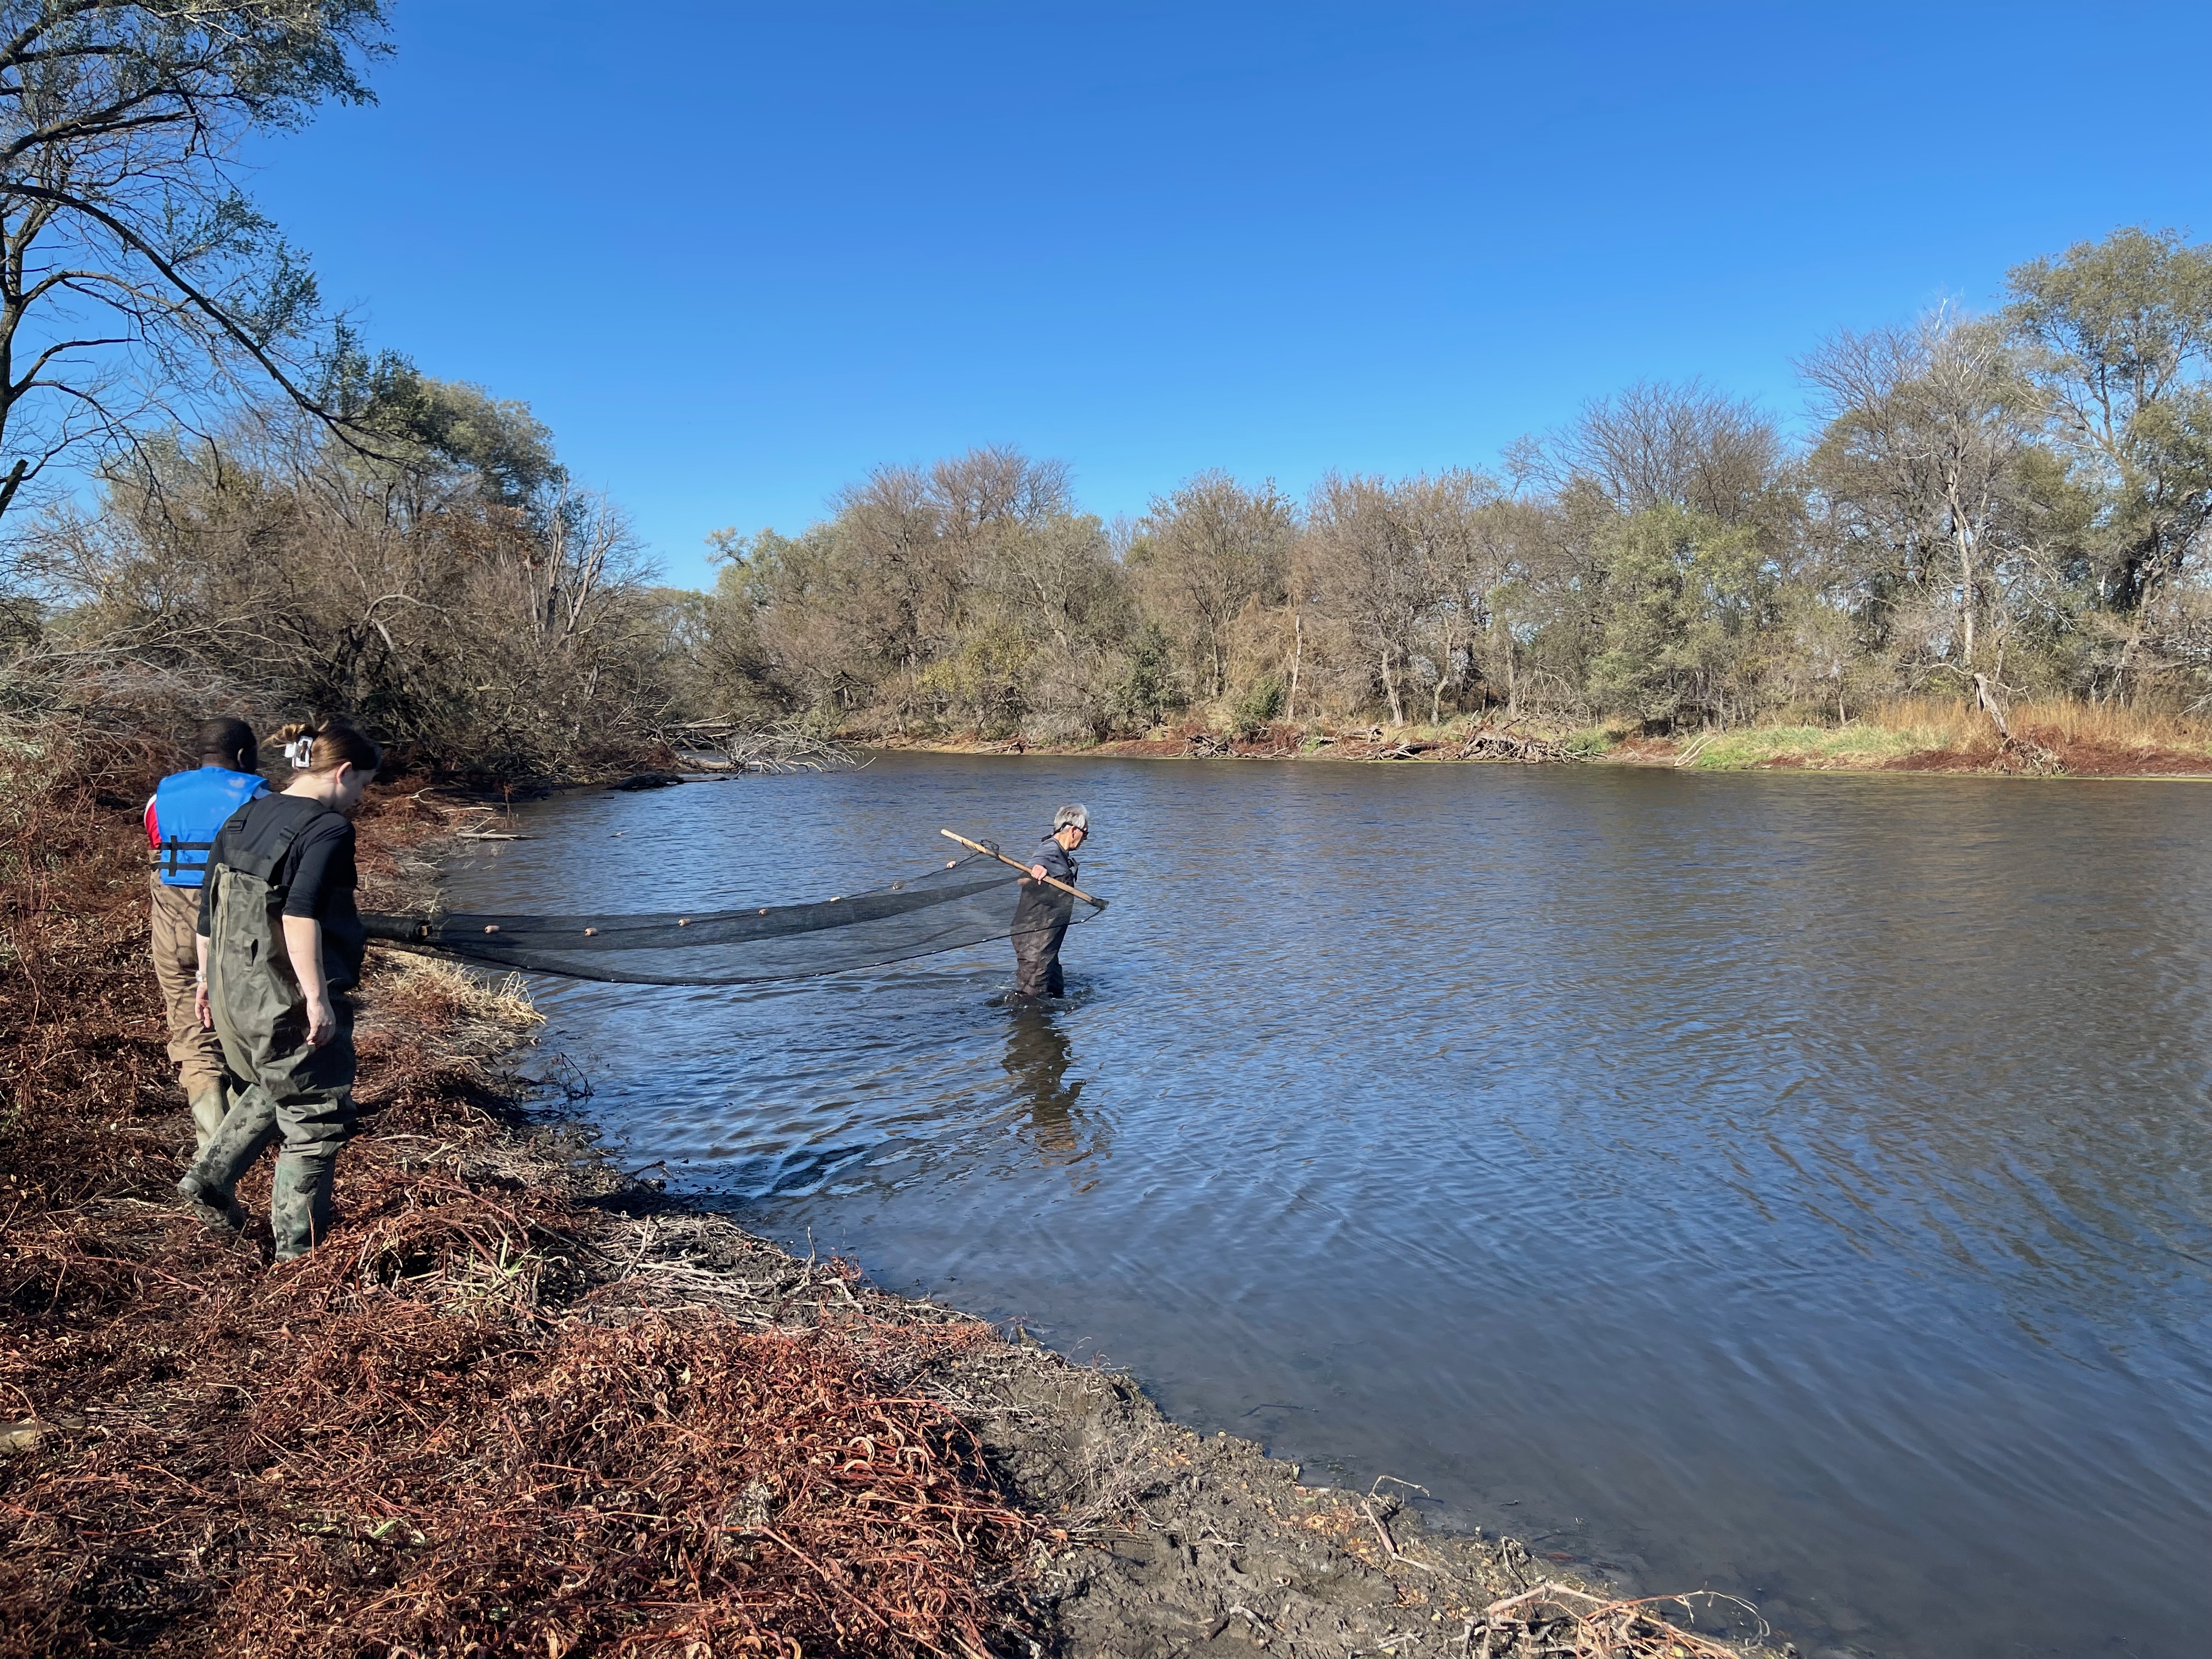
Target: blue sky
<point x="735" y="255"/>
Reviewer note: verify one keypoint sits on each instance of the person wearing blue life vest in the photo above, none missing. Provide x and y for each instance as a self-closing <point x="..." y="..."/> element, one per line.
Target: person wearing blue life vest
<point x="181" y="819"/>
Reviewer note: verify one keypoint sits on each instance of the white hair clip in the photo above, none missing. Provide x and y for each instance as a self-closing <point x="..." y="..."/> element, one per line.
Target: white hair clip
<point x="302" y="753"/>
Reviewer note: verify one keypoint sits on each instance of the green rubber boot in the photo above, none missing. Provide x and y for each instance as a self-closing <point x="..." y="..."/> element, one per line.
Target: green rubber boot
<point x="208" y="1108"/>
<point x="213" y="1208"/>
<point x="300" y="1202"/>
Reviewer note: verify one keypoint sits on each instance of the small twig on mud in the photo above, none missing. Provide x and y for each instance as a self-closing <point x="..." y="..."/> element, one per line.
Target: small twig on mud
<point x="644" y="1244"/>
<point x="1389" y="1546"/>
<point x="1547" y="1588"/>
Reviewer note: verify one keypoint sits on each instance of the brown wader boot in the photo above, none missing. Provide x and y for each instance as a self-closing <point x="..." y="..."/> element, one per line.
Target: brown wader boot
<point x="192" y="1047"/>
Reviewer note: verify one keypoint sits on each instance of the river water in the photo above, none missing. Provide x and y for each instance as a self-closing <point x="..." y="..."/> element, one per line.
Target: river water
<point x="1797" y="1185"/>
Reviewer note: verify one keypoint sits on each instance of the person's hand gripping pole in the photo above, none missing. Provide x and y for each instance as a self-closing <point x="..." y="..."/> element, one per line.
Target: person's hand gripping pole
<point x="992" y="852"/>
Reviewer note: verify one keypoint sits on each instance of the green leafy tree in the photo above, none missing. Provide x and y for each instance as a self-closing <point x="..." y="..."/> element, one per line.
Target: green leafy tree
<point x="1686" y="599"/>
<point x="2122" y="334"/>
<point x="415" y="421"/>
<point x="1148" y="690"/>
<point x="1923" y="465"/>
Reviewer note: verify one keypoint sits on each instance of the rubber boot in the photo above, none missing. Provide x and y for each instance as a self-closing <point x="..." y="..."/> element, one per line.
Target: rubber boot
<point x="210" y="1107"/>
<point x="215" y="1209"/>
<point x="300" y="1202"/>
<point x="242" y="1136"/>
<point x="246" y="1130"/>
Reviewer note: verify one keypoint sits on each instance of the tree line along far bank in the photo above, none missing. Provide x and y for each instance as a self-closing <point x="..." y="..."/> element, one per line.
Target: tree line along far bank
<point x="2023" y="495"/>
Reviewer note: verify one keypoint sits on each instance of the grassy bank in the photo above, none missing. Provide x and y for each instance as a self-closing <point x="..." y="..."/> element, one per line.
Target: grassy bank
<point x="518" y="1403"/>
<point x="1909" y="735"/>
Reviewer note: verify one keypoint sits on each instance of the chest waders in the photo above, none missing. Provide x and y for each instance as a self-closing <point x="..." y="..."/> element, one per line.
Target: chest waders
<point x="303" y="1095"/>
<point x="1041" y="922"/>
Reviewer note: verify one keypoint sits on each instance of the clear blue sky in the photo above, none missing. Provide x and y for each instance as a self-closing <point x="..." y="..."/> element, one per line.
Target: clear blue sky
<point x="734" y="255"/>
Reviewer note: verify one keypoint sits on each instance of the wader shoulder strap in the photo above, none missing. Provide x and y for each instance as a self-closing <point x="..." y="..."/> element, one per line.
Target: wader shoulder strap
<point x="279" y="820"/>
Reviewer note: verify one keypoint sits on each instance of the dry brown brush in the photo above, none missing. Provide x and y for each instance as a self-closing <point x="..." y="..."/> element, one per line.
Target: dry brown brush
<point x="428" y="1436"/>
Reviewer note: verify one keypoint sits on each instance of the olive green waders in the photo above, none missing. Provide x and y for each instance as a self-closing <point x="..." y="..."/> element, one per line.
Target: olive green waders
<point x="303" y="1096"/>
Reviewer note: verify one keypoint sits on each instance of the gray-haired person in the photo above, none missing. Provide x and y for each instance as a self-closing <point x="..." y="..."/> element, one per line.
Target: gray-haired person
<point x="1041" y="916"/>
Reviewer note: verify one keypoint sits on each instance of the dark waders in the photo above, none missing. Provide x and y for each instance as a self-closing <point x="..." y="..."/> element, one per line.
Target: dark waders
<point x="1040" y="923"/>
<point x="285" y="1089"/>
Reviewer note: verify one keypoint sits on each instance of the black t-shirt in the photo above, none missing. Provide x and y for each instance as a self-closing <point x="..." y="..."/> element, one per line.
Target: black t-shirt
<point x="316" y="876"/>
<point x="320" y="869"/>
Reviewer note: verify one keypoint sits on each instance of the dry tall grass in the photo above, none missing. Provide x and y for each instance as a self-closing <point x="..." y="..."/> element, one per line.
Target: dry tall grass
<point x="1955" y="723"/>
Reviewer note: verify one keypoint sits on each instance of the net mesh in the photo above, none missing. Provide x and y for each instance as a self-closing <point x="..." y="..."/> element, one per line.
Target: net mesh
<point x="969" y="901"/>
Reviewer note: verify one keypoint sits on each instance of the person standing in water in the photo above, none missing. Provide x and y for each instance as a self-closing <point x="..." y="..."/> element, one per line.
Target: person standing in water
<point x="280" y="945"/>
<point x="181" y="821"/>
<point x="1042" y="915"/>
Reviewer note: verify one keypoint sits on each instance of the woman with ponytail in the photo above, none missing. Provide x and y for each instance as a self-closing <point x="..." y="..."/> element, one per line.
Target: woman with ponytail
<point x="280" y="945"/>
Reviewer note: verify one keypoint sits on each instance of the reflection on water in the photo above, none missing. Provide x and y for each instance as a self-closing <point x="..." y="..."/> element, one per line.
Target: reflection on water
<point x="1798" y="1186"/>
<point x="1038" y="1054"/>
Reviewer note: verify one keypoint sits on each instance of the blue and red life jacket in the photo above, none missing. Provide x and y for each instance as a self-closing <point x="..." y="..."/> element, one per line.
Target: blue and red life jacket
<point x="187" y="808"/>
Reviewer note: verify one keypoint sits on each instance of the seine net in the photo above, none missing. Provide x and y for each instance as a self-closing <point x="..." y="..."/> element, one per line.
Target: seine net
<point x="969" y="901"/>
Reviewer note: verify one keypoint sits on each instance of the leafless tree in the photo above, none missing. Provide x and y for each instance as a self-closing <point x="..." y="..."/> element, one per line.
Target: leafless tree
<point x="137" y="281"/>
<point x="1372" y="575"/>
<point x="1926" y="428"/>
<point x="1457" y="564"/>
<point x="1688" y="445"/>
<point x="1213" y="548"/>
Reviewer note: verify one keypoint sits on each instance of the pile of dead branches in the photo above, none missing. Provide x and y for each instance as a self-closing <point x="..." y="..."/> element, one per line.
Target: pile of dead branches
<point x="2017" y="751"/>
<point x="1560" y="1619"/>
<point x="788" y="746"/>
<point x="1496" y="744"/>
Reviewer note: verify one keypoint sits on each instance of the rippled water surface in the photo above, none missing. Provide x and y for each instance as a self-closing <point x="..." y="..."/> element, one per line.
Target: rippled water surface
<point x="1797" y="1185"/>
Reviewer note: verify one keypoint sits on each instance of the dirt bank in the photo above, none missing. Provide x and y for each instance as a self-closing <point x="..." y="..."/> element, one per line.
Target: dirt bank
<point x="520" y="1403"/>
<point x="1952" y="743"/>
